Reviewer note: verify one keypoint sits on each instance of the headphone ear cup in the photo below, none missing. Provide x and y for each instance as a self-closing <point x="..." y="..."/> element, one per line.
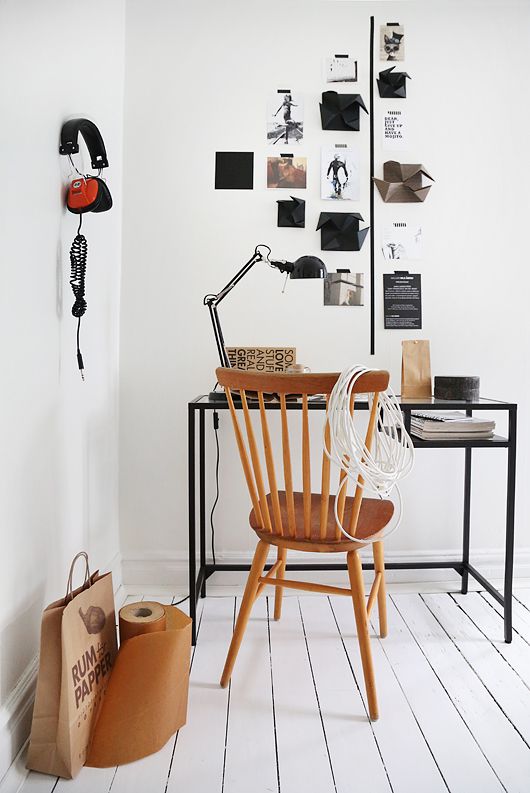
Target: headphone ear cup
<point x="104" y="199"/>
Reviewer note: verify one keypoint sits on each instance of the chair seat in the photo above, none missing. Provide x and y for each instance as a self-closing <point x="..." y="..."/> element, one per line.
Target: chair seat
<point x="374" y="515"/>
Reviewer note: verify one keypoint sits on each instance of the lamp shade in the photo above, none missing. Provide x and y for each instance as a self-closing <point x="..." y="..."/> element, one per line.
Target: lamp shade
<point x="309" y="267"/>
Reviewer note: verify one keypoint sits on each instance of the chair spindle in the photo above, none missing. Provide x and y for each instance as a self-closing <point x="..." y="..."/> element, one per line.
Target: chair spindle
<point x="287" y="469"/>
<point x="271" y="473"/>
<point x="256" y="463"/>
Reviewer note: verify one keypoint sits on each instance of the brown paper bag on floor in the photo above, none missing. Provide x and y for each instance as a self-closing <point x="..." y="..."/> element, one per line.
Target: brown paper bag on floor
<point x="77" y="650"/>
<point x="416" y="369"/>
<point x="147" y="698"/>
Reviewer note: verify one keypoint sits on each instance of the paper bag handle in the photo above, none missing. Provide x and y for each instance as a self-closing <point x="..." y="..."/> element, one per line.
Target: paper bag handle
<point x="69" y="585"/>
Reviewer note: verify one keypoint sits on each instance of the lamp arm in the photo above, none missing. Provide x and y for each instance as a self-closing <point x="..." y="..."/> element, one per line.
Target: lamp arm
<point x="256" y="257"/>
<point x="212" y="301"/>
<point x="218" y="333"/>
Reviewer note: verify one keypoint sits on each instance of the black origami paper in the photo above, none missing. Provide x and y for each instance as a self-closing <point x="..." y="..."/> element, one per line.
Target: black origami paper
<point x="392" y="85"/>
<point x="341" y="111"/>
<point x="291" y="214"/>
<point x="234" y="170"/>
<point x="339" y="231"/>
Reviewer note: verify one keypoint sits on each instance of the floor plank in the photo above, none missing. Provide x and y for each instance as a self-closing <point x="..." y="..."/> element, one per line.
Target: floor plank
<point x="397" y="732"/>
<point x="350" y="737"/>
<point x="87" y="781"/>
<point x="520" y="615"/>
<point x="303" y="758"/>
<point x="458" y="755"/>
<point x="499" y="679"/>
<point x="149" y="774"/>
<point x="37" y="783"/>
<point x="199" y="750"/>
<point x="490" y="623"/>
<point x="250" y="741"/>
<point x="523" y="596"/>
<point x="500" y="743"/>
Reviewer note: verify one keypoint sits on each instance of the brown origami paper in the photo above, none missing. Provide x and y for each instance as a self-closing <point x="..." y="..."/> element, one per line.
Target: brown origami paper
<point x="403" y="183"/>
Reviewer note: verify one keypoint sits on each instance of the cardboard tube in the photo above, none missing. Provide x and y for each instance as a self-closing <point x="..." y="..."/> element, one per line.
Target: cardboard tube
<point x="146" y="699"/>
<point x="136" y="619"/>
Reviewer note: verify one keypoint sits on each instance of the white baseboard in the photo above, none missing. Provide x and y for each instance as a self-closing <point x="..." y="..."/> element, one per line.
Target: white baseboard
<point x="16" y="712"/>
<point x="171" y="570"/>
<point x="15" y="721"/>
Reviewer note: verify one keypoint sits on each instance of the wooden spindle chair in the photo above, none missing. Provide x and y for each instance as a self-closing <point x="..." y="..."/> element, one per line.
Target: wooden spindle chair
<point x="305" y="521"/>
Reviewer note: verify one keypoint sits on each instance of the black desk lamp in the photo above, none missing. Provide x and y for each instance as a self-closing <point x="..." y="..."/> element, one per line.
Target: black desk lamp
<point x="304" y="267"/>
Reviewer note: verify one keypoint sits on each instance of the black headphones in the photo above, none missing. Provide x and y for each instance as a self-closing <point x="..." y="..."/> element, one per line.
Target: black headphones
<point x="86" y="193"/>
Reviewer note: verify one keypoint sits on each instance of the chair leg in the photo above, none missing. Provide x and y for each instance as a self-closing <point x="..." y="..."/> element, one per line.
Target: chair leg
<point x="355" y="572"/>
<point x="379" y="566"/>
<point x="282" y="555"/>
<point x="258" y="563"/>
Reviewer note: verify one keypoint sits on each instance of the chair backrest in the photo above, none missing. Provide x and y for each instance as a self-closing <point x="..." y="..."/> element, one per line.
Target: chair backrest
<point x="261" y="384"/>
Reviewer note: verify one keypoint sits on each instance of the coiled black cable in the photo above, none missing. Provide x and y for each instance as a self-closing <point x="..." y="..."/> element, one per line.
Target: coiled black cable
<point x="78" y="257"/>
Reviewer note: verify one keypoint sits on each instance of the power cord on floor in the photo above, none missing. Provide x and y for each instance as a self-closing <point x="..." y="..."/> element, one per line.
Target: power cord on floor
<point x="181" y="601"/>
<point x="216" y="433"/>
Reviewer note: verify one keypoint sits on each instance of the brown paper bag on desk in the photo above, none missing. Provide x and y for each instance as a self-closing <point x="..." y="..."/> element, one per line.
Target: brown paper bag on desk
<point x="77" y="650"/>
<point x="416" y="369"/>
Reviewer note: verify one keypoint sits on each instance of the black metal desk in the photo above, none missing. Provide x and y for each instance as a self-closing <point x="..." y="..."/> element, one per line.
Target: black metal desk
<point x="198" y="574"/>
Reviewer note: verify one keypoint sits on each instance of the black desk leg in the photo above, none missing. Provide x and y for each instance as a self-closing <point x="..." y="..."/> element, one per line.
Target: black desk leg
<point x="202" y="503"/>
<point x="510" y="524"/>
<point x="191" y="522"/>
<point x="467" y="520"/>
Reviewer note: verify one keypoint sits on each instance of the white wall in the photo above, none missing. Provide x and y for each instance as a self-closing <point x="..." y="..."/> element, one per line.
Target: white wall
<point x="197" y="80"/>
<point x="58" y="464"/>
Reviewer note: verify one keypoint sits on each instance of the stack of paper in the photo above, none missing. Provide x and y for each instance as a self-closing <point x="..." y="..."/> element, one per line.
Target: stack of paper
<point x="449" y="425"/>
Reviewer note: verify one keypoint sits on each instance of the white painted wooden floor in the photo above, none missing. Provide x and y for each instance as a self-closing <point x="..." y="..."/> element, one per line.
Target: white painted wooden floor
<point x="454" y="702"/>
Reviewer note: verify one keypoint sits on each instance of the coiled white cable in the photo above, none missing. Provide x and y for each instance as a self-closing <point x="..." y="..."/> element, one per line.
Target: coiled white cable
<point x="391" y="456"/>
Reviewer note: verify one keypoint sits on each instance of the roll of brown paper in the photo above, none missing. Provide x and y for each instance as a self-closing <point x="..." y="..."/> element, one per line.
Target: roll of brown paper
<point x="137" y="619"/>
<point x="147" y="696"/>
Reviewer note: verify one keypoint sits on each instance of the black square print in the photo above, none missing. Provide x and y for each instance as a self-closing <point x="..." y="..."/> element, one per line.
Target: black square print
<point x="234" y="170"/>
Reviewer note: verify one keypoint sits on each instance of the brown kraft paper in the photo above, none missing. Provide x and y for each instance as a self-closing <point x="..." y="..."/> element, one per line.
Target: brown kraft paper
<point x="416" y="369"/>
<point x="147" y="696"/>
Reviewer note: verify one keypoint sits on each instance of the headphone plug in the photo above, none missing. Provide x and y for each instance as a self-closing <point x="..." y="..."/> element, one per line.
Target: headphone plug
<point x="81" y="364"/>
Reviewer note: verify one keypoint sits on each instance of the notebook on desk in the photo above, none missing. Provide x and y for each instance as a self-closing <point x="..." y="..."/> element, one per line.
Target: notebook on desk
<point x="446" y="425"/>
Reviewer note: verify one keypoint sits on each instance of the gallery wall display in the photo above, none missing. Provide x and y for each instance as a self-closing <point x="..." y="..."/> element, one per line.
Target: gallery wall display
<point x="403" y="182"/>
<point x="339" y="231"/>
<point x="344" y="288"/>
<point x="341" y="112"/>
<point x="291" y="214"/>
<point x="391" y="84"/>
<point x="340" y="173"/>
<point x="391" y="42"/>
<point x="402" y="240"/>
<point x="394" y="129"/>
<point x="340" y="69"/>
<point x="287" y="172"/>
<point x="285" y="118"/>
<point x="234" y="170"/>
<point x="402" y="300"/>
